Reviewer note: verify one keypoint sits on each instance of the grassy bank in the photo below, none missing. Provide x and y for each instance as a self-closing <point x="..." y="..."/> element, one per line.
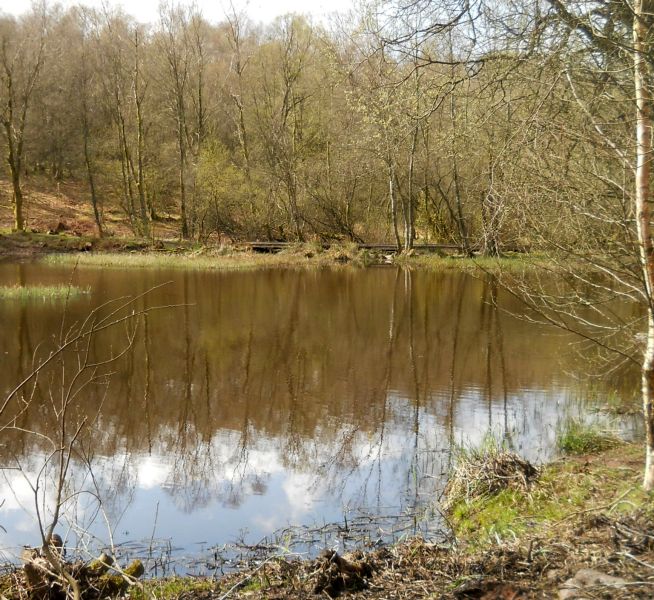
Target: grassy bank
<point x="607" y="482"/>
<point x="137" y="253"/>
<point x="184" y="260"/>
<point x="208" y="259"/>
<point x="513" y="262"/>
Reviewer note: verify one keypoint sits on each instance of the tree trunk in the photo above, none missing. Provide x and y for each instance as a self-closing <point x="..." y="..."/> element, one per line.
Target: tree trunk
<point x="648" y="408"/>
<point x="19" y="222"/>
<point x="14" y="151"/>
<point x="125" y="161"/>
<point x="393" y="196"/>
<point x="89" y="175"/>
<point x="182" y="169"/>
<point x="410" y="212"/>
<point x="140" y="177"/>
<point x="460" y="219"/>
<point x="643" y="192"/>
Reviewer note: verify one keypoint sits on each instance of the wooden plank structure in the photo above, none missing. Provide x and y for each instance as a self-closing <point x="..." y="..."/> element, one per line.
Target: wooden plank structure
<point x="273" y="247"/>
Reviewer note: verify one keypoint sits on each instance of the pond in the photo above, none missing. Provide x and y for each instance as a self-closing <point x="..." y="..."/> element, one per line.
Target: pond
<point x="254" y="402"/>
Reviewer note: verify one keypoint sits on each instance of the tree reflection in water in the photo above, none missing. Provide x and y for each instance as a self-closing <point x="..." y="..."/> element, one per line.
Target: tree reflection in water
<point x="279" y="397"/>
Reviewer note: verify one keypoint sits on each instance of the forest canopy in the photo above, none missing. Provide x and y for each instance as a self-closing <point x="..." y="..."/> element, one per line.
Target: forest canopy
<point x="474" y="123"/>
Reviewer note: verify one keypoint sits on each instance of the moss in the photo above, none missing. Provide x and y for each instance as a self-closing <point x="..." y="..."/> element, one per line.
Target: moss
<point x="99" y="566"/>
<point x="172" y="588"/>
<point x="112" y="584"/>
<point x="255" y="585"/>
<point x="495" y="515"/>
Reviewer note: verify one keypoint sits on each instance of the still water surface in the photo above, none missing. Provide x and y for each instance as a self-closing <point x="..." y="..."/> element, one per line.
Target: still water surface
<point x="277" y="398"/>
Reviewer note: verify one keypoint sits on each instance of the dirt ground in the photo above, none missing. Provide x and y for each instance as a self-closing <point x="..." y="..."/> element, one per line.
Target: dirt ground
<point x="50" y="205"/>
<point x="532" y="567"/>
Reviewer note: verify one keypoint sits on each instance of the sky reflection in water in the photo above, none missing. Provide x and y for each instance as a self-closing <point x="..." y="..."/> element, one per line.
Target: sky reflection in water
<point x="279" y="398"/>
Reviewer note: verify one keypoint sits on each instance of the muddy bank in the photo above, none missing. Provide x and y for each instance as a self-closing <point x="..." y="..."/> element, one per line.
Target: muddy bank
<point x="583" y="530"/>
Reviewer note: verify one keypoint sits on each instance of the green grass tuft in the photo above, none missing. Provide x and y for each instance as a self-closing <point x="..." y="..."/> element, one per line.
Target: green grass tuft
<point x="487" y="470"/>
<point x="576" y="437"/>
<point x="41" y="292"/>
<point x="565" y="491"/>
<point x="174" y="587"/>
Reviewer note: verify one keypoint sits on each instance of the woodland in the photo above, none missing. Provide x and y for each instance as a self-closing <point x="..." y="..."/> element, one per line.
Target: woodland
<point x="487" y="124"/>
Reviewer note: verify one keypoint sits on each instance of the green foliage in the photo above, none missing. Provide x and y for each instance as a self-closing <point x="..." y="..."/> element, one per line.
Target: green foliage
<point x="223" y="194"/>
<point x="563" y="490"/>
<point x="576" y="437"/>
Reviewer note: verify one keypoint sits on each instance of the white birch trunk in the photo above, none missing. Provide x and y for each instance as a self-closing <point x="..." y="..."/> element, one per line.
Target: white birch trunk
<point x="643" y="192"/>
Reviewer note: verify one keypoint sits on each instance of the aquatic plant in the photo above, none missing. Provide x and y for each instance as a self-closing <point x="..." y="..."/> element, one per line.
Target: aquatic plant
<point x="42" y="292"/>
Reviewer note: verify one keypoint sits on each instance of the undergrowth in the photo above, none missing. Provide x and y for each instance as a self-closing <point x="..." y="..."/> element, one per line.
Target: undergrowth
<point x="564" y="490"/>
<point x="577" y="437"/>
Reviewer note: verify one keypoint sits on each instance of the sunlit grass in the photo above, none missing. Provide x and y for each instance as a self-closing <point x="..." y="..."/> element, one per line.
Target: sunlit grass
<point x="576" y="437"/>
<point x="308" y="254"/>
<point x="185" y="260"/>
<point x="510" y="263"/>
<point x="41" y="292"/>
<point x="300" y="255"/>
<point x="564" y="490"/>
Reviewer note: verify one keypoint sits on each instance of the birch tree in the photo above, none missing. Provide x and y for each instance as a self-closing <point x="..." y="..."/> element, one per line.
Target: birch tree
<point x="605" y="58"/>
<point x="590" y="128"/>
<point x="643" y="198"/>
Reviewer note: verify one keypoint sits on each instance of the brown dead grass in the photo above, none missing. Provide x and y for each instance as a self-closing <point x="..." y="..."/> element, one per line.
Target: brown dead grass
<point x="48" y="203"/>
<point x="534" y="567"/>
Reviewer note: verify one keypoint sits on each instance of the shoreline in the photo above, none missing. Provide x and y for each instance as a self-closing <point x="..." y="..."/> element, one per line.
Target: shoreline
<point x="584" y="516"/>
<point x="584" y="512"/>
<point x="135" y="253"/>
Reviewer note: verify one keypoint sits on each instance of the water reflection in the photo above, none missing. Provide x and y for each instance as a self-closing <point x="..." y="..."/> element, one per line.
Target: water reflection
<point x="282" y="397"/>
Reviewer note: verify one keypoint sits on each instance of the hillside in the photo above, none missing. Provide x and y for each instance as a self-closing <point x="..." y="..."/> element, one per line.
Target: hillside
<point x="65" y="207"/>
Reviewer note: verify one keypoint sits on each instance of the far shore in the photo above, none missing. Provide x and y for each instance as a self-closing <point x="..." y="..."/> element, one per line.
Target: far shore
<point x="137" y="253"/>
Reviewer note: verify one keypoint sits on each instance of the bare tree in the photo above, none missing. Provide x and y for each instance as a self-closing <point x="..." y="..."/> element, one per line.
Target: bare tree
<point x="643" y="197"/>
<point x="22" y="45"/>
<point x="176" y="47"/>
<point x="71" y="369"/>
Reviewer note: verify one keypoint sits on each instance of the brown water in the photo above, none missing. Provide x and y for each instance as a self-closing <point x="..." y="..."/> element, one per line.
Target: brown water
<point x="277" y="398"/>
